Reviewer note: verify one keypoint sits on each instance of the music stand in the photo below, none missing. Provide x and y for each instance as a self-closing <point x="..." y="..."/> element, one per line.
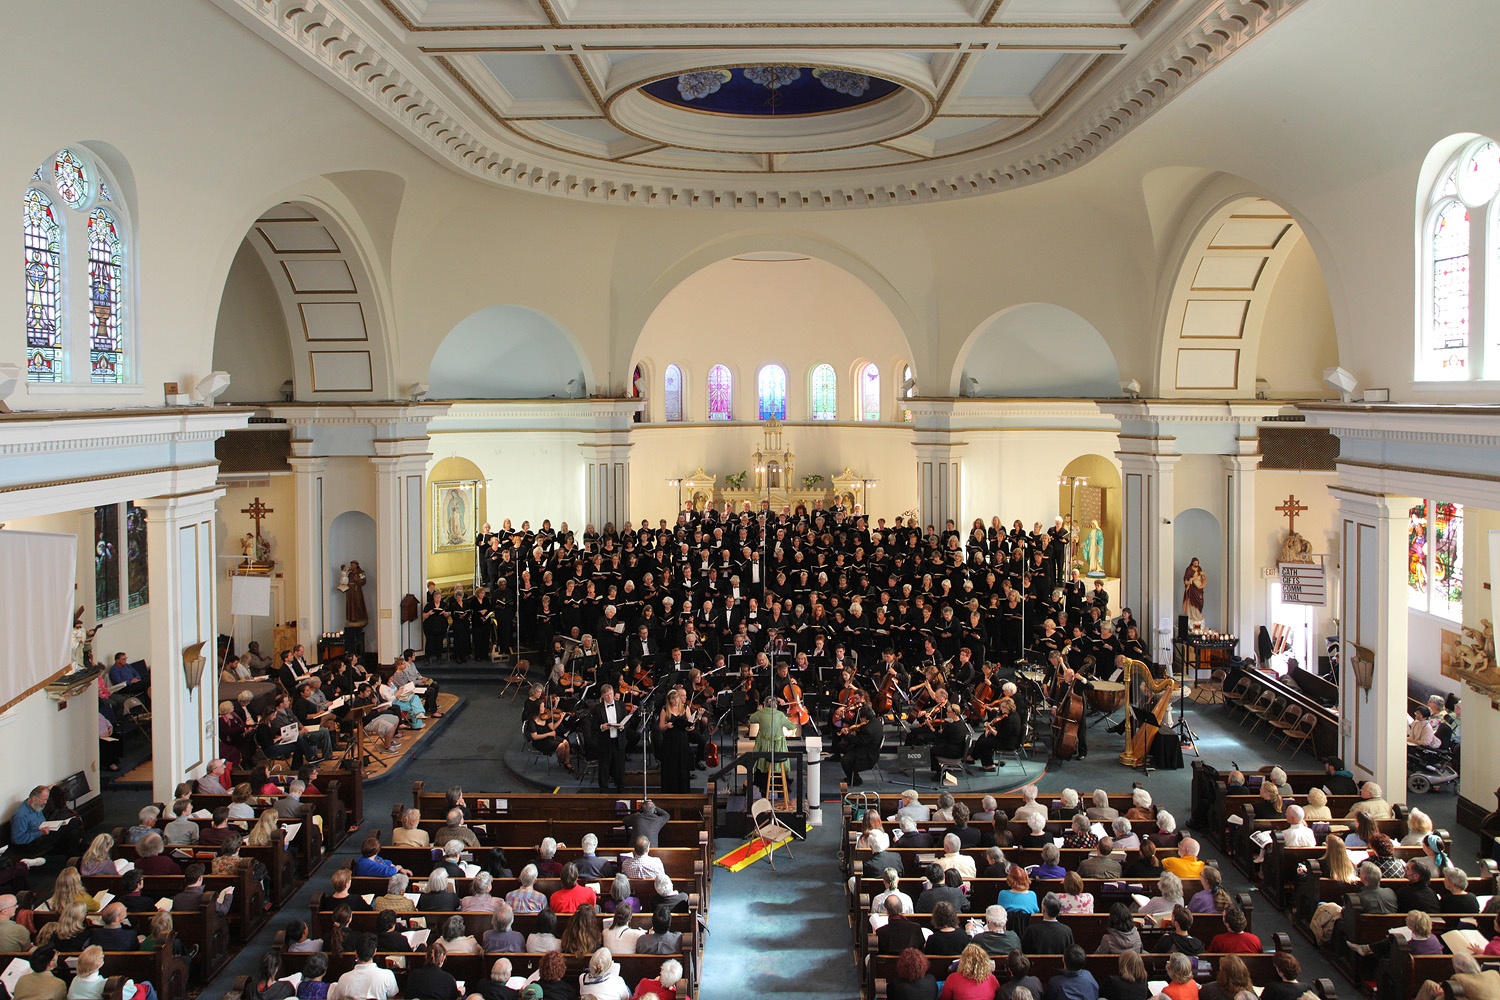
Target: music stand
<point x="1183" y="731"/>
<point x="912" y="759"/>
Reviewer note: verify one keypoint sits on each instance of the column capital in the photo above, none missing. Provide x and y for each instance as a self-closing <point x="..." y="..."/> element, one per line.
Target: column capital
<point x="1241" y="463"/>
<point x="181" y="505"/>
<point x="1140" y="461"/>
<point x="1373" y="506"/>
<point x="307" y="464"/>
<point x="396" y="465"/>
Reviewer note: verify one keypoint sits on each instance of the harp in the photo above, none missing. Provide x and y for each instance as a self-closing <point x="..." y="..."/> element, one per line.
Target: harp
<point x="1138" y="738"/>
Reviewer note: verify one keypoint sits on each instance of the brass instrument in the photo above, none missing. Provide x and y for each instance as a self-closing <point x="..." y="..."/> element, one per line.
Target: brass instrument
<point x="1138" y="741"/>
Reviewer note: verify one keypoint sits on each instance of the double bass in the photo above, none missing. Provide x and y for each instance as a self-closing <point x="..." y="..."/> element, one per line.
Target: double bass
<point x="1067" y="717"/>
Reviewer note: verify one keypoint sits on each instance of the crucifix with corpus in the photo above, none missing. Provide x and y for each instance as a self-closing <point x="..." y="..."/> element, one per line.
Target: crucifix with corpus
<point x="257" y="552"/>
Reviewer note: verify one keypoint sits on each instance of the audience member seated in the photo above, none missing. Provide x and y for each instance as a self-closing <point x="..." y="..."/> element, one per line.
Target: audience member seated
<point x="1179" y="935"/>
<point x="954" y="858"/>
<point x="664" y="985"/>
<point x="115" y="934"/>
<point x="572" y="893"/>
<point x="299" y="940"/>
<point x="1079" y="834"/>
<point x="896" y="933"/>
<point x="1288" y="974"/>
<point x="1232" y="981"/>
<point x="619" y="894"/>
<point x="1130" y="983"/>
<point x="1205" y="900"/>
<point x="1477" y="983"/>
<point x="457" y="939"/>
<point x="1073" y="898"/>
<point x="215" y="780"/>
<point x="1166" y="834"/>
<point x="69" y="932"/>
<point x="388" y="934"/>
<point x="395" y="897"/>
<point x="89" y="983"/>
<point x="1100" y="811"/>
<point x="1144" y="865"/>
<point x="913" y="806"/>
<point x="547" y="865"/>
<point x="619" y="936"/>
<point x="1051" y="866"/>
<point x="908" y="835"/>
<point x="647" y="822"/>
<point x="1235" y="938"/>
<point x="943" y="887"/>
<point x="268" y="984"/>
<point x="1047" y="936"/>
<point x="1180" y="982"/>
<point x="314" y="985"/>
<point x="1018" y="895"/>
<point x="30" y="838"/>
<point x="1075" y="981"/>
<point x="1418" y="826"/>
<point x="1417" y="893"/>
<point x="524" y="898"/>
<point x="660" y="939"/>
<point x="544" y="938"/>
<point x="912" y="980"/>
<point x="409" y="833"/>
<point x="40" y="983"/>
<point x="68" y="889"/>
<point x="974" y="979"/>
<point x="640" y="863"/>
<point x="181" y="830"/>
<point x="1122" y="936"/>
<point x="1186" y="865"/>
<point x="1316" y="810"/>
<point x="371" y="865"/>
<point x="439" y="896"/>
<point x="502" y="935"/>
<point x="995" y="939"/>
<point x="366" y="981"/>
<point x="1101" y="864"/>
<point x="1123" y="833"/>
<point x="1371" y="803"/>
<point x="591" y="866"/>
<point x="947" y="937"/>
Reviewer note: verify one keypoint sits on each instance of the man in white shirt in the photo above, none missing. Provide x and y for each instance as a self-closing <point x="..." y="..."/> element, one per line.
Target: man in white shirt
<point x="608" y="719"/>
<point x="953" y="857"/>
<point x="365" y="981"/>
<point x="1297" y="833"/>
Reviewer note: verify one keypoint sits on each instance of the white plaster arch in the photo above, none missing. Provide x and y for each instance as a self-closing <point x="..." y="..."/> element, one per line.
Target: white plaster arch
<point x="1047" y="332"/>
<point x="336" y="348"/>
<point x="1225" y="199"/>
<point x="634" y="313"/>
<point x="508" y="352"/>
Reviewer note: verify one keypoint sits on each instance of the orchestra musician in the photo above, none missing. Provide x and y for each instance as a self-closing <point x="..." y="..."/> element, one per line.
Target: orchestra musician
<point x="861" y="739"/>
<point x="1068" y="683"/>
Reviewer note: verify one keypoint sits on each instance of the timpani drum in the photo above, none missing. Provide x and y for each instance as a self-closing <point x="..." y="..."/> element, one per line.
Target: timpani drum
<point x="1107" y="697"/>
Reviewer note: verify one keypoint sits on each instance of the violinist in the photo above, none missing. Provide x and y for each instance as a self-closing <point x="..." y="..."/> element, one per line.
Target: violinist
<point x="1003" y="729"/>
<point x="927" y="726"/>
<point x="842" y="697"/>
<point x="951" y="737"/>
<point x="861" y="740"/>
<point x="543" y="732"/>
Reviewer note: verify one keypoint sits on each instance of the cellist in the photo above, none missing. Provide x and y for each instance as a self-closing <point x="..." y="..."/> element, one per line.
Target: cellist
<point x="1067" y="684"/>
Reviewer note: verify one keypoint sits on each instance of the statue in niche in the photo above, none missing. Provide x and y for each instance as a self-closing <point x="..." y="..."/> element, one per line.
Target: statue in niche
<point x="1194" y="582"/>
<point x="1295" y="549"/>
<point x="352" y="586"/>
<point x="1093" y="550"/>
<point x="257" y="551"/>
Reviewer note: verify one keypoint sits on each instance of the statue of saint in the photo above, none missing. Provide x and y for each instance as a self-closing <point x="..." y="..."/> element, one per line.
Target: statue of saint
<point x="352" y="583"/>
<point x="1194" y="580"/>
<point x="1093" y="550"/>
<point x="1295" y="549"/>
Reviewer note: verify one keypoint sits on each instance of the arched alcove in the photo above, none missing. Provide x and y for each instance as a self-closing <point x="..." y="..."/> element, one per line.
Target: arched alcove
<point x="351" y="538"/>
<point x="1249" y="310"/>
<point x="782" y="308"/>
<point x="1037" y="349"/>
<point x="1196" y="534"/>
<point x="507" y="352"/>
<point x="445" y="562"/>
<point x="301" y="262"/>
<point x="1100" y="498"/>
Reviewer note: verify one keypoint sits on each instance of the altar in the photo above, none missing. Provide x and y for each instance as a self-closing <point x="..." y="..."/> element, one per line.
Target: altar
<point x="772" y="482"/>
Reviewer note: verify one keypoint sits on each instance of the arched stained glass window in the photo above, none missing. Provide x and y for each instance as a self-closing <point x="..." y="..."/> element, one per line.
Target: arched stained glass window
<point x="106" y="278"/>
<point x="869" y="392"/>
<point x="71" y="178"/>
<point x="720" y="393"/>
<point x="42" y="239"/>
<point x="1449" y="335"/>
<point x="825" y="393"/>
<point x="772" y="392"/>
<point x="907" y="379"/>
<point x="673" y="392"/>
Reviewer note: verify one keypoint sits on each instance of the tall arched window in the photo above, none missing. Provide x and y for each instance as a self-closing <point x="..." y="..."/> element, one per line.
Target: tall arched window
<point x="720" y="393"/>
<point x="1452" y="342"/>
<point x="869" y="392"/>
<point x="772" y="394"/>
<point x="71" y="278"/>
<point x="906" y="390"/>
<point x="106" y="267"/>
<point x="43" y="243"/>
<point x="672" y="384"/>
<point x="825" y="393"/>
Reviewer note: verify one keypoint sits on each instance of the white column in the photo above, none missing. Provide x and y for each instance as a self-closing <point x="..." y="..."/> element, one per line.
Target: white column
<point x="399" y="563"/>
<point x="939" y="482"/>
<point x="606" y="465"/>
<point x="1148" y="578"/>
<point x="1373" y="612"/>
<point x="1243" y="570"/>
<point x="181" y="549"/>
<point x="307" y="563"/>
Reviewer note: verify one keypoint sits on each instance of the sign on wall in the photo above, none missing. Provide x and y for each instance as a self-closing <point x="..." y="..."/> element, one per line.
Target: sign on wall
<point x="1303" y="583"/>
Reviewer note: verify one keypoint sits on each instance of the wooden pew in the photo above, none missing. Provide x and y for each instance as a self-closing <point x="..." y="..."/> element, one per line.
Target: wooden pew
<point x="1404" y="973"/>
<point x="279" y="862"/>
<point x="247" y="912"/>
<point x="203" y="928"/>
<point x="677" y="833"/>
<point x="347" y="781"/>
<point x="162" y="969"/>
<point x="312" y="843"/>
<point x="473" y="968"/>
<point x="697" y="808"/>
<point x="641" y="888"/>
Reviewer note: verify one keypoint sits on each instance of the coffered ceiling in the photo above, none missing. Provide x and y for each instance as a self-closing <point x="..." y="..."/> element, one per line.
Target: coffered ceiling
<point x="758" y="104"/>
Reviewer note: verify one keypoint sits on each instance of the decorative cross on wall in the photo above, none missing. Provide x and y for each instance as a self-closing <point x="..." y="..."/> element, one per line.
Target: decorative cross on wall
<point x="1291" y="509"/>
<point x="257" y="512"/>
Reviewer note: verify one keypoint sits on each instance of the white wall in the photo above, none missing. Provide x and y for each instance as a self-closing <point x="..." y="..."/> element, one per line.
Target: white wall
<point x="1318" y="524"/>
<point x="251" y="339"/>
<point x="279" y="530"/>
<point x="1480" y="768"/>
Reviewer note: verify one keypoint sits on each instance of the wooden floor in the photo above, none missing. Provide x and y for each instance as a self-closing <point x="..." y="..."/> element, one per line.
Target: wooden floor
<point x="379" y="764"/>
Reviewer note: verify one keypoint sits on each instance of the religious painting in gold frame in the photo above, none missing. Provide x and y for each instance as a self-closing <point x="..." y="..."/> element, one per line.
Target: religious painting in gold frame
<point x="1449" y="655"/>
<point x="451" y="517"/>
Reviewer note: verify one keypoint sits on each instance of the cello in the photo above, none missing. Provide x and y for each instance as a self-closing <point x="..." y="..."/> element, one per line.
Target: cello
<point x="1067" y="717"/>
